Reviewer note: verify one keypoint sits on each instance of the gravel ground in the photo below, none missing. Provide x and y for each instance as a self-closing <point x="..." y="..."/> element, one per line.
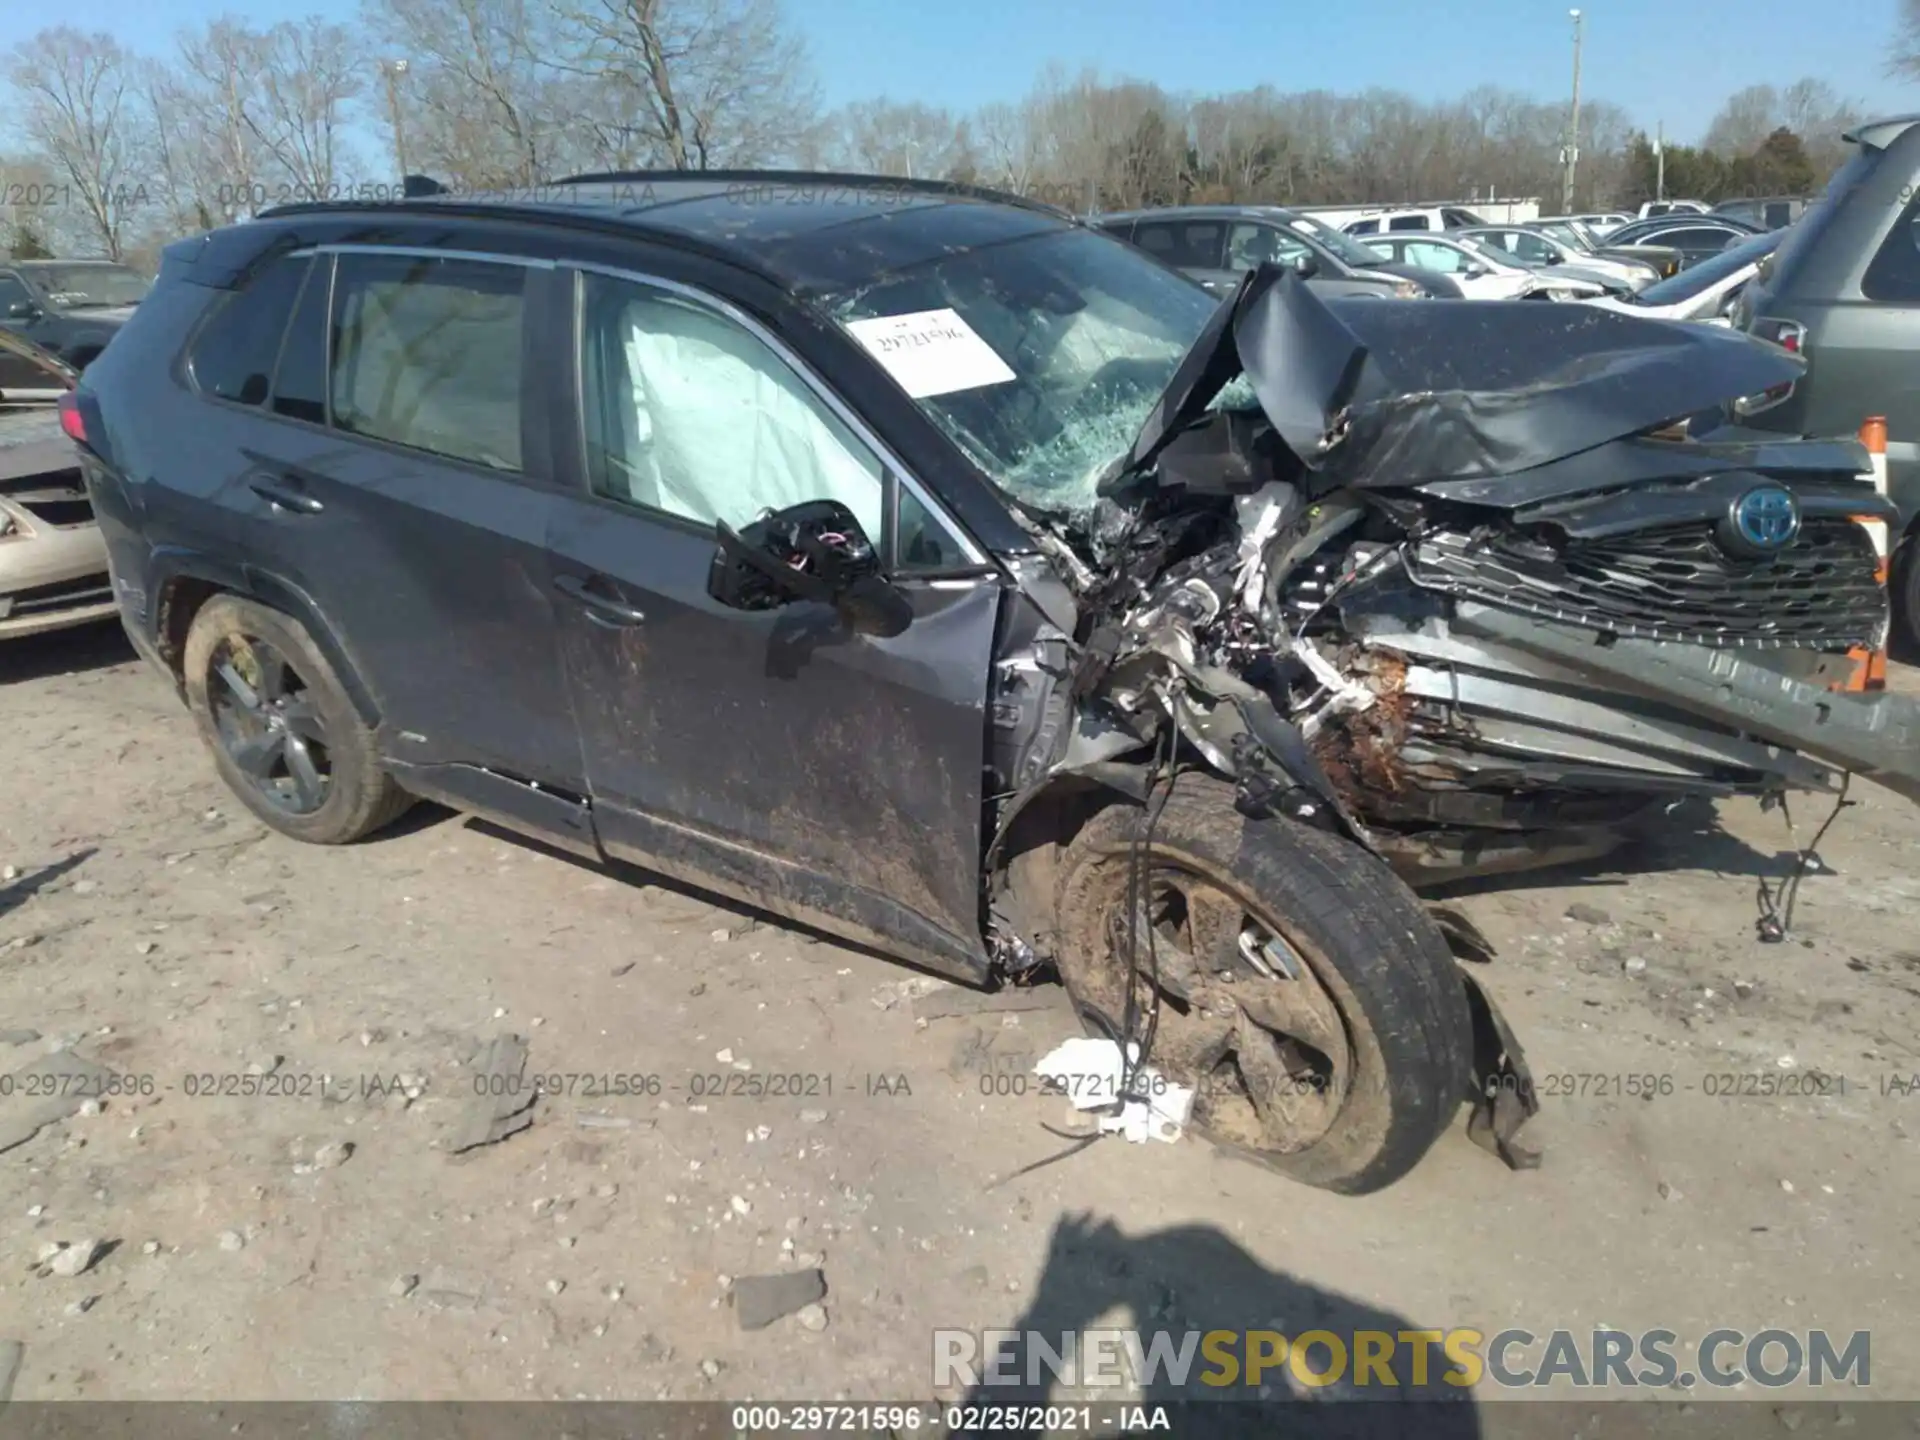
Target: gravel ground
<point x="324" y="1242"/>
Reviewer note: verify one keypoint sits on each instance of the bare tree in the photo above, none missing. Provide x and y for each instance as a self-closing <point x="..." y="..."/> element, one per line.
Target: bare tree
<point x="486" y="104"/>
<point x="77" y="105"/>
<point x="709" y="83"/>
<point x="312" y="73"/>
<point x="884" y="137"/>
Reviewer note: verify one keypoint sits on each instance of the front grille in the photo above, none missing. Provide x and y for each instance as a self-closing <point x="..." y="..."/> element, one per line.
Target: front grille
<point x="58" y="500"/>
<point x="65" y="595"/>
<point x="1676" y="583"/>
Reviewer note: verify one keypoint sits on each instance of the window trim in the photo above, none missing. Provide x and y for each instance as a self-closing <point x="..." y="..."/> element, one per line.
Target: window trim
<point x="218" y="307"/>
<point x="893" y="471"/>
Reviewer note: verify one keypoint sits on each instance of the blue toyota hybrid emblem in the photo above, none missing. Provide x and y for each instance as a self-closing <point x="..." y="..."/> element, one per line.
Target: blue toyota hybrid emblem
<point x="1763" y="521"/>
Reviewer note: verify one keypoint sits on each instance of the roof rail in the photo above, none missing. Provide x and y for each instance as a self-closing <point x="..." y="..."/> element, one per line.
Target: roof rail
<point x="956" y="189"/>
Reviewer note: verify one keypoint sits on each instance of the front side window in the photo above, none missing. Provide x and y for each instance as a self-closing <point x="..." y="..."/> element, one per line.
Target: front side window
<point x="1184" y="244"/>
<point x="1250" y="244"/>
<point x="1364" y="227"/>
<point x="426" y="354"/>
<point x="12" y="292"/>
<point x="1039" y="358"/>
<point x="690" y="413"/>
<point x="233" y="355"/>
<point x="1894" y="271"/>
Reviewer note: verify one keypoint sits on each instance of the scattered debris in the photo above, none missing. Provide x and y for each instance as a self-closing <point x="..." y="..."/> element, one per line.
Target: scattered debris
<point x="955" y="1002"/>
<point x="332" y="1155"/>
<point x="812" y="1317"/>
<point x="61" y="1081"/>
<point x="711" y="1369"/>
<point x="741" y="1205"/>
<point x="759" y="1300"/>
<point x="594" y="1120"/>
<point x="91" y="1108"/>
<point x="1091" y="1071"/>
<point x="1667" y="1192"/>
<point x="151" y="1247"/>
<point x="403" y="1286"/>
<point x="82" y="1305"/>
<point x="813" y="1117"/>
<point x="622" y="968"/>
<point x="231" y="1240"/>
<point x="71" y="1258"/>
<point x="554" y="1287"/>
<point x="1588" y="914"/>
<point x="1634" y="965"/>
<point x="502" y="1106"/>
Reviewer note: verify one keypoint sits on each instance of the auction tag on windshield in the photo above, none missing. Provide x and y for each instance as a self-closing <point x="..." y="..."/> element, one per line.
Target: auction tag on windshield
<point x="931" y="352"/>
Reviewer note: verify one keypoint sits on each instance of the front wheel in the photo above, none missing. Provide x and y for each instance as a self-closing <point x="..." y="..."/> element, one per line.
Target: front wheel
<point x="1299" y="986"/>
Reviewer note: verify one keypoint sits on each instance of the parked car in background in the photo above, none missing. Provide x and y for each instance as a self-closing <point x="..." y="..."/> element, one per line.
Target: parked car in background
<point x="1707" y="292"/>
<point x="1653" y="208"/>
<point x="53" y="561"/>
<point x="1539" y="251"/>
<point x="1695" y="237"/>
<point x="1481" y="274"/>
<point x="1217" y="244"/>
<point x="1583" y="242"/>
<point x="1597" y="224"/>
<point x="1771" y="213"/>
<point x="1843" y="291"/>
<point x="1430" y="218"/>
<point x="69" y="307"/>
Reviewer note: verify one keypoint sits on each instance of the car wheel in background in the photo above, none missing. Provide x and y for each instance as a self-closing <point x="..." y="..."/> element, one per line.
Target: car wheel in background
<point x="284" y="734"/>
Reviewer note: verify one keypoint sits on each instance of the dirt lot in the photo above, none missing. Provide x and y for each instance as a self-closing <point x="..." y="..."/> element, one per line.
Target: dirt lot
<point x="148" y="922"/>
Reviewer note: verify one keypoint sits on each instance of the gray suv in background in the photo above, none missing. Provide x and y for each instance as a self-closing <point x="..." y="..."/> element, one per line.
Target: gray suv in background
<point x="1843" y="290"/>
<point x="1217" y="244"/>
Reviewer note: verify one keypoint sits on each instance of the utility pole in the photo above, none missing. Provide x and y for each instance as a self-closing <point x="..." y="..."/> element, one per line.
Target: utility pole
<point x="1572" y="153"/>
<point x="1660" y="160"/>
<point x="391" y="71"/>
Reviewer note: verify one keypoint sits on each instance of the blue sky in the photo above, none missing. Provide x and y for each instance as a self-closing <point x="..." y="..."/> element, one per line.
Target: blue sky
<point x="1671" y="60"/>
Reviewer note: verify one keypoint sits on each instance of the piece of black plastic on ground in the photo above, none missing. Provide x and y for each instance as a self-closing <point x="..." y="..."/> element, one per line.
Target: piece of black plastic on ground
<point x="759" y="1300"/>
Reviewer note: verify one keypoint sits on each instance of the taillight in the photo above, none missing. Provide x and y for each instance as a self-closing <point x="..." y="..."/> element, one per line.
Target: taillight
<point x="1789" y="335"/>
<point x="71" y="420"/>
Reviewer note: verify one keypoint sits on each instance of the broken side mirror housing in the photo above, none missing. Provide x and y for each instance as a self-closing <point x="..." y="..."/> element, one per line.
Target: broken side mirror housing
<point x="816" y="551"/>
<point x="23" y="310"/>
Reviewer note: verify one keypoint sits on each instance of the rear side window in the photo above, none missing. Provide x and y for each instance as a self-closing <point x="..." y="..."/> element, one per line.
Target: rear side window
<point x="300" y="381"/>
<point x="232" y="356"/>
<point x="1364" y="227"/>
<point x="1700" y="237"/>
<point x="1894" y="273"/>
<point x="426" y="354"/>
<point x="1195" y="244"/>
<point x="1409" y="222"/>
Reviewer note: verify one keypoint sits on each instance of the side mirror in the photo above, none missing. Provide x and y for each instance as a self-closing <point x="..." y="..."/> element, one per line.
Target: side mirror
<point x="812" y="551"/>
<point x="23" y="310"/>
<point x="1306" y="265"/>
<point x="1475" y="270"/>
<point x="1554" y="258"/>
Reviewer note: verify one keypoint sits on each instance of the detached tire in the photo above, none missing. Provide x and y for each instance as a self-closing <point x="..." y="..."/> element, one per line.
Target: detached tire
<point x="284" y="734"/>
<point x="1342" y="1076"/>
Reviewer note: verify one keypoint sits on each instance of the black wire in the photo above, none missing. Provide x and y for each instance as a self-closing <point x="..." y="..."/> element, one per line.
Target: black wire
<point x="1776" y="920"/>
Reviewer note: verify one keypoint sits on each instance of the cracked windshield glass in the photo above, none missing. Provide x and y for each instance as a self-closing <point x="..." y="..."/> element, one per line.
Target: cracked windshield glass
<point x="1088" y="333"/>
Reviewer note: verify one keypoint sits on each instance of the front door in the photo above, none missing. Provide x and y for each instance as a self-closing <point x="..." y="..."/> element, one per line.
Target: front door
<point x="775" y="756"/>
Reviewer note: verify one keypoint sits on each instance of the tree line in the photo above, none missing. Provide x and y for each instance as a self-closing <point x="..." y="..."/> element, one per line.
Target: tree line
<point x="111" y="152"/>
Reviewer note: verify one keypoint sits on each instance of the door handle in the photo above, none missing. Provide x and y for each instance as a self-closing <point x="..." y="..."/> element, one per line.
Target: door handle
<point x="603" y="608"/>
<point x="286" y="495"/>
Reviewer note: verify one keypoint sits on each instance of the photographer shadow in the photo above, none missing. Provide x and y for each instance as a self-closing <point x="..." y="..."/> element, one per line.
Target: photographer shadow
<point x="1192" y="1280"/>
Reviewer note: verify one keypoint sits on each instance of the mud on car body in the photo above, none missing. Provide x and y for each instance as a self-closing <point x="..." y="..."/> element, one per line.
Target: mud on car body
<point x="934" y="568"/>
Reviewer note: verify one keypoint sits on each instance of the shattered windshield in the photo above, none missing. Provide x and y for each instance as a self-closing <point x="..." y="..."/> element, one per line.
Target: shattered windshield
<point x="1040" y="358"/>
<point x="90" y="287"/>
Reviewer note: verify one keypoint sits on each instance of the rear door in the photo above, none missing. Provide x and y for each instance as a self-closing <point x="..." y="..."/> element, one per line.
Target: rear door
<point x="773" y="755"/>
<point x="395" y="487"/>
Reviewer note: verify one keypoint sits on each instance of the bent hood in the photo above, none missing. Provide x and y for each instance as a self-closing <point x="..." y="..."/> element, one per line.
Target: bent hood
<point x="1369" y="394"/>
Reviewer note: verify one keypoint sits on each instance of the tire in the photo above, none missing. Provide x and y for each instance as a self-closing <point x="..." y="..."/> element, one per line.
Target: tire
<point x="1905" y="579"/>
<point x="1365" y="941"/>
<point x="357" y="796"/>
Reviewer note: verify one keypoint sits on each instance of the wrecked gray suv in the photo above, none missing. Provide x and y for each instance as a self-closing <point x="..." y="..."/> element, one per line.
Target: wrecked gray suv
<point x="928" y="566"/>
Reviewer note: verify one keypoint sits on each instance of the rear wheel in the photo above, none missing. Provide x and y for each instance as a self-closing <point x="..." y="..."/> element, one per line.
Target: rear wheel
<point x="284" y="735"/>
<point x="1301" y="989"/>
